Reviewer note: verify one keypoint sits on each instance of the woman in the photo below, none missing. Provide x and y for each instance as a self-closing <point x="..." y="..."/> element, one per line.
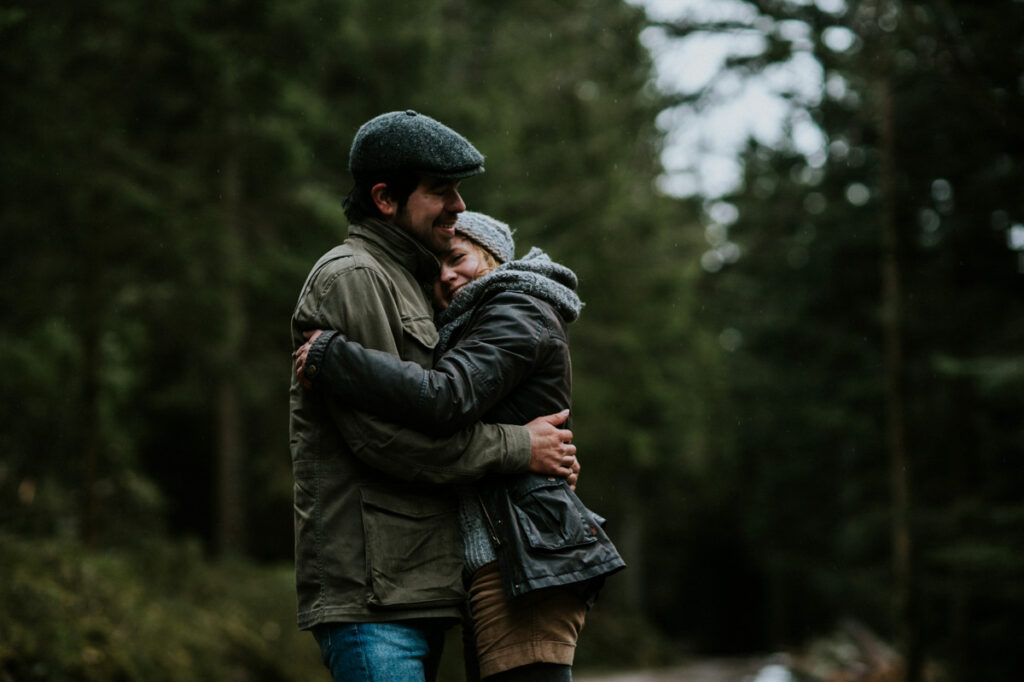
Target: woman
<point x="536" y="555"/>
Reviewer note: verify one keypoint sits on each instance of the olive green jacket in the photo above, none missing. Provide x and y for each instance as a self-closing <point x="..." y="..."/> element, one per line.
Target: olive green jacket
<point x="376" y="529"/>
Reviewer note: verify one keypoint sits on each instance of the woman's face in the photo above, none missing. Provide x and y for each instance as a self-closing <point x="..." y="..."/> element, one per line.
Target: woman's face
<point x="463" y="263"/>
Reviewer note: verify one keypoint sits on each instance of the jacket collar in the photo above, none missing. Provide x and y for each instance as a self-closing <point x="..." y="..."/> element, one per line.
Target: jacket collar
<point x="399" y="245"/>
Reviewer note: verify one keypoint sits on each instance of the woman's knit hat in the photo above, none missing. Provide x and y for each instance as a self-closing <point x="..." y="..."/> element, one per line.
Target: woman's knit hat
<point x="493" y="235"/>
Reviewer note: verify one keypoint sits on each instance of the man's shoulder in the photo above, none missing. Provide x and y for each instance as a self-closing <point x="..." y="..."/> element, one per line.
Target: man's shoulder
<point x="345" y="273"/>
<point x="349" y="257"/>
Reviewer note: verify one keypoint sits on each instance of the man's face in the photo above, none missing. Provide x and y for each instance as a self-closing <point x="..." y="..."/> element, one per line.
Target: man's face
<point x="430" y="212"/>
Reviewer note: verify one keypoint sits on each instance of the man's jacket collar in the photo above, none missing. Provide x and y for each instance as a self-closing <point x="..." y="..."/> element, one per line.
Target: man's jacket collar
<point x="400" y="245"/>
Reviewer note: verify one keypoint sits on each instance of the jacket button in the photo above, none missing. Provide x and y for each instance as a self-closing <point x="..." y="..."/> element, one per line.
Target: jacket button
<point x="310" y="370"/>
<point x="551" y="478"/>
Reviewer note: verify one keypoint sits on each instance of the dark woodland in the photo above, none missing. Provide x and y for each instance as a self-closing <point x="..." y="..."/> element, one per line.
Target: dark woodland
<point x="799" y="404"/>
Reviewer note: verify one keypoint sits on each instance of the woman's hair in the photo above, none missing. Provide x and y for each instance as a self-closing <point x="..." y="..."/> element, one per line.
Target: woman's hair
<point x="488" y="263"/>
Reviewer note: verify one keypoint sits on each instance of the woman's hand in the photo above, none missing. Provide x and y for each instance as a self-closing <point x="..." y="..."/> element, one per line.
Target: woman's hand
<point x="300" y="356"/>
<point x="551" y="450"/>
<point x="574" y="476"/>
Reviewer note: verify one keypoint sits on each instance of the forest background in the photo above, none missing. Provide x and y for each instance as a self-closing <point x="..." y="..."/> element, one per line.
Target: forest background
<point x="798" y="401"/>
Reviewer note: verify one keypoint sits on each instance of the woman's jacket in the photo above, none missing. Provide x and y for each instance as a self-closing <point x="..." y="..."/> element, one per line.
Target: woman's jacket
<point x="503" y="357"/>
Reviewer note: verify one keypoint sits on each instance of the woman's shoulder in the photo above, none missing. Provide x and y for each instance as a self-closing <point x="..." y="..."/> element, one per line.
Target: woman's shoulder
<point x="522" y="301"/>
<point x="520" y="307"/>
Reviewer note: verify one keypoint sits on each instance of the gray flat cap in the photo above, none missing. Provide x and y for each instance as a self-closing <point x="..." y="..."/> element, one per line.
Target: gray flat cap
<point x="406" y="140"/>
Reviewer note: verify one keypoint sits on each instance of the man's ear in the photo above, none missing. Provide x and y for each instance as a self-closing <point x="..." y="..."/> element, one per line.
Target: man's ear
<point x="381" y="196"/>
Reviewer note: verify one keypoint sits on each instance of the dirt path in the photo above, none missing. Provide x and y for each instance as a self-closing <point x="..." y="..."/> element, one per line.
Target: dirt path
<point x="712" y="670"/>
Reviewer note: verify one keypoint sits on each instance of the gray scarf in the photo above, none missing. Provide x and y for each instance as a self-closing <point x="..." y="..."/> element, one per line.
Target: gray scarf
<point x="534" y="274"/>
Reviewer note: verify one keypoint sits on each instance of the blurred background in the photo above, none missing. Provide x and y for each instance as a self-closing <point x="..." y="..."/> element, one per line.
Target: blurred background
<point x="799" y="230"/>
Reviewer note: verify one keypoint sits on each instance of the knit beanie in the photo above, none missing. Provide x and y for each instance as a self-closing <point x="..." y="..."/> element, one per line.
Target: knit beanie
<point x="408" y="141"/>
<point x="493" y="235"/>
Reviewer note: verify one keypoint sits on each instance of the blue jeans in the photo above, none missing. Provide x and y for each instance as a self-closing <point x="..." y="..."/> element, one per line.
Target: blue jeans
<point x="405" y="651"/>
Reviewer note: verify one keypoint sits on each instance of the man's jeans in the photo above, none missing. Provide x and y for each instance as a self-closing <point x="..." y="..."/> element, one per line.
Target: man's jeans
<point x="407" y="651"/>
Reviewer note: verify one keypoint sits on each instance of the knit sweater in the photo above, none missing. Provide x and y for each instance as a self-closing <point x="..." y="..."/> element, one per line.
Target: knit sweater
<point x="536" y="275"/>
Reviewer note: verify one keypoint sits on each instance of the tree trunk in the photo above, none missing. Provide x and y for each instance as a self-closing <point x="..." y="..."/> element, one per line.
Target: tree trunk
<point x="90" y="428"/>
<point x="629" y="537"/>
<point x="895" y="392"/>
<point x="230" y="502"/>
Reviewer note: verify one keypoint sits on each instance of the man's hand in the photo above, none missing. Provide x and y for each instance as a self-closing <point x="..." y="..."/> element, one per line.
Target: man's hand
<point x="551" y="450"/>
<point x="300" y="357"/>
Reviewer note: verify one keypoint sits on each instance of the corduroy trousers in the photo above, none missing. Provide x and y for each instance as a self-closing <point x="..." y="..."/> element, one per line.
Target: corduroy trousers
<point x="539" y="627"/>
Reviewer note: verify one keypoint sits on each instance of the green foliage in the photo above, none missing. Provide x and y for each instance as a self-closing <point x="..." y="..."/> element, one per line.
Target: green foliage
<point x="216" y="181"/>
<point x="158" y="612"/>
<point x="163" y="611"/>
<point x="803" y="317"/>
<point x="170" y="174"/>
<point x="617" y="640"/>
<point x="171" y="171"/>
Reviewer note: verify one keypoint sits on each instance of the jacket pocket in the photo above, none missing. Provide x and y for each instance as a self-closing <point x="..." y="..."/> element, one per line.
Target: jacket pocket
<point x="421" y="330"/>
<point x="413" y="549"/>
<point x="550" y="515"/>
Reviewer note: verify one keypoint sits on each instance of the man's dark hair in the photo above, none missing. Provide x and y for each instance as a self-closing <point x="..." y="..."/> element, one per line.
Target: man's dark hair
<point x="359" y="205"/>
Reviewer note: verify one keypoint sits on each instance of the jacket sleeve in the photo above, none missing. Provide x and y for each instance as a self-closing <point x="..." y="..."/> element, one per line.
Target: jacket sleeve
<point x="499" y="349"/>
<point x="464" y="455"/>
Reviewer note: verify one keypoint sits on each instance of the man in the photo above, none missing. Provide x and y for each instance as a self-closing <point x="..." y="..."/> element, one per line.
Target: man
<point x="377" y="545"/>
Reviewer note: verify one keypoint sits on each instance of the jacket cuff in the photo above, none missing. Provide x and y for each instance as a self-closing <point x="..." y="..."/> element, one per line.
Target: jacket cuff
<point x="518" y="458"/>
<point x="315" y="357"/>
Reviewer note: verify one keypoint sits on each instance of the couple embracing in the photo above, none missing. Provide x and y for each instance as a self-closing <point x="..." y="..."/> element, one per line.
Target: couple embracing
<point x="434" y="469"/>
